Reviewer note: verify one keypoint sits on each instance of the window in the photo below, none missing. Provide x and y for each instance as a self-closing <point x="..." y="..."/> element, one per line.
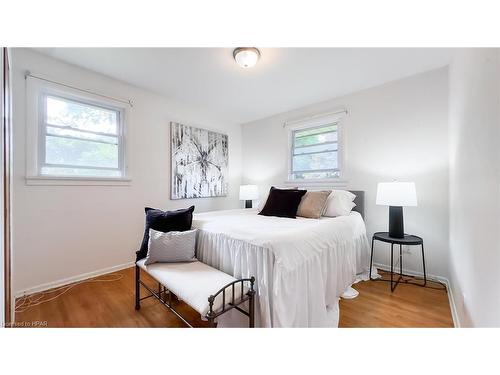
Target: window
<point x="315" y="149"/>
<point x="315" y="153"/>
<point x="79" y="138"/>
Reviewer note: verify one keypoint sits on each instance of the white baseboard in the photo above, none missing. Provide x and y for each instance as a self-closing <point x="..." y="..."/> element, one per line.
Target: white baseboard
<point x="444" y="280"/>
<point x="70" y="280"/>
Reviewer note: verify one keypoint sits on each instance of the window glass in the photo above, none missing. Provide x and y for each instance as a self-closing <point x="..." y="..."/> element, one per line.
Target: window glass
<point x="315" y="153"/>
<point x="80" y="139"/>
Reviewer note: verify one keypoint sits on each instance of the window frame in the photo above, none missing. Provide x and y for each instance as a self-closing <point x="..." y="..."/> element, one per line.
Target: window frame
<point x="315" y="122"/>
<point x="37" y="92"/>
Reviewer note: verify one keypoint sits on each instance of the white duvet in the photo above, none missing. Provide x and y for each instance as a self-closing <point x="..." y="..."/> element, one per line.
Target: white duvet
<point x="301" y="265"/>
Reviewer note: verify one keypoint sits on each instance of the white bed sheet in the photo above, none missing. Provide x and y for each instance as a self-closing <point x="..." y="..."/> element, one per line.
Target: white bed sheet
<point x="302" y="266"/>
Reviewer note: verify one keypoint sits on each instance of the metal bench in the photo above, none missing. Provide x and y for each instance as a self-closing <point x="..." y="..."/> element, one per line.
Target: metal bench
<point x="207" y="290"/>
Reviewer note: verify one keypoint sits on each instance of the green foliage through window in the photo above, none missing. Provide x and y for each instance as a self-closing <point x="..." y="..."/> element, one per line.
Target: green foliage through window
<point x="81" y="139"/>
<point x="315" y="153"/>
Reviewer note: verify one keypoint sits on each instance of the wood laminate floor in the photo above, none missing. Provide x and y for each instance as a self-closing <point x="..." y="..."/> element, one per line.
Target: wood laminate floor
<point x="407" y="306"/>
<point x="111" y="304"/>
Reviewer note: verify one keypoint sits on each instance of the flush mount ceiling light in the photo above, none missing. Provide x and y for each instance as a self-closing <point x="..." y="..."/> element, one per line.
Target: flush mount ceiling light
<point x="246" y="57"/>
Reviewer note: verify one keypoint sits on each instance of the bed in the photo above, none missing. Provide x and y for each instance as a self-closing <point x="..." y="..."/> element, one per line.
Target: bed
<point x="302" y="266"/>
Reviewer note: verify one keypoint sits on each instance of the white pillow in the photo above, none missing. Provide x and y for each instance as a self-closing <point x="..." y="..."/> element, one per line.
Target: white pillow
<point x="262" y="203"/>
<point x="171" y="247"/>
<point x="339" y="203"/>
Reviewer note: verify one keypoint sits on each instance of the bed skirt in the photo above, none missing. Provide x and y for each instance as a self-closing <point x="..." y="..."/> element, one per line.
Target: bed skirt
<point x="299" y="290"/>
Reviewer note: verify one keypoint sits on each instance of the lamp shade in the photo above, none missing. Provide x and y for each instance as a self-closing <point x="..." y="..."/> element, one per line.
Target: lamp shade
<point x="249" y="192"/>
<point x="401" y="194"/>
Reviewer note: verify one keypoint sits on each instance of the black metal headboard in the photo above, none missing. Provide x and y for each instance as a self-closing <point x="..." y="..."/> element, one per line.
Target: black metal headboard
<point x="359" y="201"/>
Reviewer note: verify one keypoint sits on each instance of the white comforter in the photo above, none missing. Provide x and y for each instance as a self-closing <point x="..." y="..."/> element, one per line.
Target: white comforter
<point x="301" y="265"/>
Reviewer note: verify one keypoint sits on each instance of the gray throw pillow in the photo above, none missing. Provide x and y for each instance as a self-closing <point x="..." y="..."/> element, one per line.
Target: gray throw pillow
<point x="171" y="247"/>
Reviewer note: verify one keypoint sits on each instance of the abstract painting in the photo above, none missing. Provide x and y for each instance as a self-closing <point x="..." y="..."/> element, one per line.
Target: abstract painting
<point x="199" y="162"/>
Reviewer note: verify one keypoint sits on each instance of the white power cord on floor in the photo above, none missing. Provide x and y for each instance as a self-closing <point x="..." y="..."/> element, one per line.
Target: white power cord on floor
<point x="26" y="302"/>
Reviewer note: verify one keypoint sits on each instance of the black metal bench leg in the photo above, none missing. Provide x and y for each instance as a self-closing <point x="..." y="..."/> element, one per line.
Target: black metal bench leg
<point x="251" y="310"/>
<point x="137" y="288"/>
<point x="423" y="263"/>
<point x="371" y="261"/>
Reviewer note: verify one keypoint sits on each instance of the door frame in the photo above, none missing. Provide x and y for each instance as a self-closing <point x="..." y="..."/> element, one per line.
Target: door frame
<point x="6" y="171"/>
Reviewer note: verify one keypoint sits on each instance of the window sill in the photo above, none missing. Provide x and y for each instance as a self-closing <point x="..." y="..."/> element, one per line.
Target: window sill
<point x="77" y="181"/>
<point x="320" y="183"/>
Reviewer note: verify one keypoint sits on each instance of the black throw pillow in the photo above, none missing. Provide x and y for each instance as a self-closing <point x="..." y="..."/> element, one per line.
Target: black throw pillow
<point x="164" y="221"/>
<point x="282" y="202"/>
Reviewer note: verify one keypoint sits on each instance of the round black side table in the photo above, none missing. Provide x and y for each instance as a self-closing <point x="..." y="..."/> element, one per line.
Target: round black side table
<point x="406" y="240"/>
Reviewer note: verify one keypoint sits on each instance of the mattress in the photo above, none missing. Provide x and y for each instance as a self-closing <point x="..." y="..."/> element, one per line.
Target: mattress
<point x="302" y="266"/>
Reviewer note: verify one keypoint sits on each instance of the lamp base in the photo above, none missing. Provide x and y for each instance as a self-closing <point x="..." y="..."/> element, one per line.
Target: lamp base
<point x="396" y="225"/>
<point x="248" y="203"/>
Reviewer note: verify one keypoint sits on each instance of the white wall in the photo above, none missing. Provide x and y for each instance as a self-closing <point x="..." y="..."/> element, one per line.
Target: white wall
<point x="64" y="231"/>
<point x="398" y="130"/>
<point x="474" y="186"/>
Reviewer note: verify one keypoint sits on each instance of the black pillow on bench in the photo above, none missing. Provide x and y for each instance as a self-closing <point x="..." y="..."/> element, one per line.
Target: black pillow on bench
<point x="164" y="221"/>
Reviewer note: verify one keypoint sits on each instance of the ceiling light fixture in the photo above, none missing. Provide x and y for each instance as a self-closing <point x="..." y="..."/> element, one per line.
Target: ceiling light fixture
<point x="246" y="57"/>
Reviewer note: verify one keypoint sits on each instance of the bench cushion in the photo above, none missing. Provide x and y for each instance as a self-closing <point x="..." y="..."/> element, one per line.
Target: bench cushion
<point x="193" y="282"/>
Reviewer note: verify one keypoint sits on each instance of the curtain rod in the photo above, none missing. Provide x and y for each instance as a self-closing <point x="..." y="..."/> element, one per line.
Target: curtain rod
<point x="286" y="123"/>
<point x="28" y="74"/>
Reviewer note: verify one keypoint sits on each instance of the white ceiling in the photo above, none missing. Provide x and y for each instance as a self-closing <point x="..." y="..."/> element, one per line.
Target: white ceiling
<point x="283" y="79"/>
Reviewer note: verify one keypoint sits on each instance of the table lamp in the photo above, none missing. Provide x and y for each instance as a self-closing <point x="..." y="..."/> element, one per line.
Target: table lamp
<point x="248" y="193"/>
<point x="396" y="195"/>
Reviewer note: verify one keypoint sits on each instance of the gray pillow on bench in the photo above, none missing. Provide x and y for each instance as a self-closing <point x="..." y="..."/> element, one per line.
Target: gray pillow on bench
<point x="171" y="247"/>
